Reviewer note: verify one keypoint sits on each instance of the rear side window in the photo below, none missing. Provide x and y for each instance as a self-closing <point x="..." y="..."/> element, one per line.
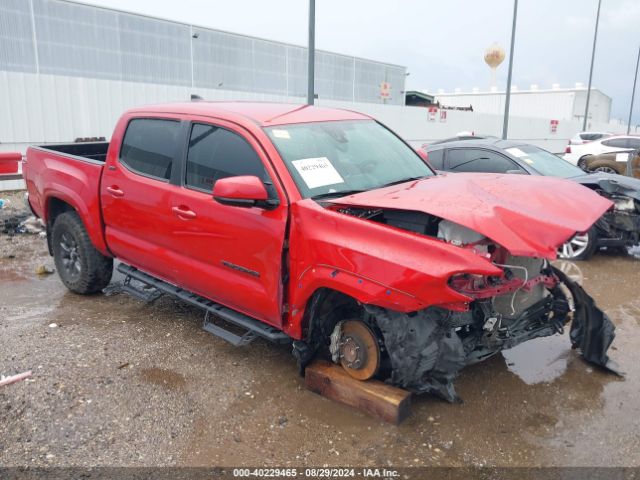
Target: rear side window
<point x="216" y="153"/>
<point x="478" y="160"/>
<point x="591" y="136"/>
<point x="436" y="159"/>
<point x="149" y="147"/>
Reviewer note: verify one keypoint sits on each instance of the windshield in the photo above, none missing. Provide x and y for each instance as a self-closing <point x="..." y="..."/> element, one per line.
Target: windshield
<point x="544" y="162"/>
<point x="343" y="157"/>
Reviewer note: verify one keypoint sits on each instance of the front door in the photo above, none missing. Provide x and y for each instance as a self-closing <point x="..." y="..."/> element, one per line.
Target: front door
<point x="230" y="254"/>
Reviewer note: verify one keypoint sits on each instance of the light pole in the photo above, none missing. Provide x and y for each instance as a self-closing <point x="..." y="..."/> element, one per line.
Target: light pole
<point x="593" y="55"/>
<point x="505" y="123"/>
<point x="312" y="52"/>
<point x="633" y="92"/>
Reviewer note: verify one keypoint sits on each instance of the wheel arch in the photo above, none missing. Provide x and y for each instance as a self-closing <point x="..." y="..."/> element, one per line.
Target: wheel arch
<point x="59" y="203"/>
<point x="312" y="285"/>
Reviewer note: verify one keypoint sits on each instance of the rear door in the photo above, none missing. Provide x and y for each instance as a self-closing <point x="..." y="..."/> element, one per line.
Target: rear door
<point x="230" y="254"/>
<point x="138" y="190"/>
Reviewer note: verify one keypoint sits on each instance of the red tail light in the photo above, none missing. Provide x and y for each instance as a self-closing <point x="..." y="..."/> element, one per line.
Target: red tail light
<point x="568" y="149"/>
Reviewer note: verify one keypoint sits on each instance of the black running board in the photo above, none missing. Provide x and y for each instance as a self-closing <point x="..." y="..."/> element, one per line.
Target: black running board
<point x="252" y="328"/>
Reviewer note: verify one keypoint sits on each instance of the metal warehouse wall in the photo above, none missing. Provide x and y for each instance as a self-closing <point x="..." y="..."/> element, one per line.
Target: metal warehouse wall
<point x="57" y="37"/>
<point x="54" y="108"/>
<point x="561" y="104"/>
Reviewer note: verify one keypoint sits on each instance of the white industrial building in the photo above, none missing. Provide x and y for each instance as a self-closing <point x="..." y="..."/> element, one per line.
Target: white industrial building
<point x="553" y="104"/>
<point x="68" y="69"/>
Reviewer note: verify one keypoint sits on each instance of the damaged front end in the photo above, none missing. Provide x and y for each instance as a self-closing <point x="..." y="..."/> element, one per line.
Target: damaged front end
<point x="529" y="299"/>
<point x="620" y="226"/>
<point x="427" y="349"/>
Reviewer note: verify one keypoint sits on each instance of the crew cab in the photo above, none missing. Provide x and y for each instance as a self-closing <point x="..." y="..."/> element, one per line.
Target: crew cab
<point x="321" y="228"/>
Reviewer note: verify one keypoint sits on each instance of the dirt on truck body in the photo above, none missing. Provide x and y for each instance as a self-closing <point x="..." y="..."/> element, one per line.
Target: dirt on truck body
<point x="322" y="228"/>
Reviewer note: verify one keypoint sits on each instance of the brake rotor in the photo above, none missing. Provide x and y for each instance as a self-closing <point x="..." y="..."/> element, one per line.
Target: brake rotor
<point x="359" y="350"/>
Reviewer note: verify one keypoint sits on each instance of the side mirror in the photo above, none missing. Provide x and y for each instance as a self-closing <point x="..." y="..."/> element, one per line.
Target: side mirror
<point x="9" y="162"/>
<point x="242" y="191"/>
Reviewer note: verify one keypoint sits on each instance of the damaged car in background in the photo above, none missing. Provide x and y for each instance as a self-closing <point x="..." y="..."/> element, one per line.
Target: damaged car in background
<point x="617" y="228"/>
<point x="320" y="228"/>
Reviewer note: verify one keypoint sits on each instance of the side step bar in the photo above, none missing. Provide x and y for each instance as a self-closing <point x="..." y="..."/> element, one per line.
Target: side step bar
<point x="253" y="328"/>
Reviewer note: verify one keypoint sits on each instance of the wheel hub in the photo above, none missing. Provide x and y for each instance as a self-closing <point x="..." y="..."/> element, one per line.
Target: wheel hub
<point x="574" y="247"/>
<point x="70" y="255"/>
<point x="353" y="353"/>
<point x="359" y="351"/>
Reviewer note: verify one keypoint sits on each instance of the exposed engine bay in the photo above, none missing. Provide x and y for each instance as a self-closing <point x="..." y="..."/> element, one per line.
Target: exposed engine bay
<point x="426" y="349"/>
<point x="621" y="225"/>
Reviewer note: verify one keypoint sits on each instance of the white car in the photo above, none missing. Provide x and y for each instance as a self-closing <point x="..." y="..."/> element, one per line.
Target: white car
<point x="574" y="153"/>
<point x="586" y="137"/>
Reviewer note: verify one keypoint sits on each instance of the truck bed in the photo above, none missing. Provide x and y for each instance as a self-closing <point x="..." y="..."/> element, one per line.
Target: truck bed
<point x="61" y="176"/>
<point x="96" y="151"/>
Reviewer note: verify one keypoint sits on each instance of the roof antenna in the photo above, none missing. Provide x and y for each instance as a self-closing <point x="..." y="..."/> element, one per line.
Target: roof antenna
<point x="196" y="98"/>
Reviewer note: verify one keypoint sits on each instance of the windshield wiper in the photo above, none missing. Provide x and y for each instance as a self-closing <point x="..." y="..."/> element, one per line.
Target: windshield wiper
<point x="398" y="182"/>
<point x="343" y="193"/>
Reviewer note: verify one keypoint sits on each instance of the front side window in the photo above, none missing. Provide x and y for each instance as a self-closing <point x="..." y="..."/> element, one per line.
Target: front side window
<point x="616" y="143"/>
<point x="634" y="143"/>
<point x="335" y="157"/>
<point x="478" y="160"/>
<point x="150" y="146"/>
<point x="216" y="153"/>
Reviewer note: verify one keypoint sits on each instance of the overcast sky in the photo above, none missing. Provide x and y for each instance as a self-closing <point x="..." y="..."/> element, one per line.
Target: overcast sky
<point x="442" y="42"/>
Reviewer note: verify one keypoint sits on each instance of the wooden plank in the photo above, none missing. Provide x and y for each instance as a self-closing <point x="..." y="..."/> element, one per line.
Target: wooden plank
<point x="376" y="398"/>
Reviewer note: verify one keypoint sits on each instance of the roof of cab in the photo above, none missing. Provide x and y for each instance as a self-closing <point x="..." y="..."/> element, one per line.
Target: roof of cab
<point x="263" y="114"/>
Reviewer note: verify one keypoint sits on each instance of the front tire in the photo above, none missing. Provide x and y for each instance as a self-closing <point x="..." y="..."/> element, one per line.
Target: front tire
<point x="80" y="266"/>
<point x="580" y="247"/>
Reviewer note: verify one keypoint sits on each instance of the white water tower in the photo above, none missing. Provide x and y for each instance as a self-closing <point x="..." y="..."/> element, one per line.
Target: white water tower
<point x="494" y="56"/>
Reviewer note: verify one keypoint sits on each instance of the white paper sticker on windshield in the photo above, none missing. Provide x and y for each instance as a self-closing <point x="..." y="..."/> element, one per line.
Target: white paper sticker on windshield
<point x="281" y="133"/>
<point x="317" y="172"/>
<point x="516" y="152"/>
<point x="622" y="157"/>
<point x="528" y="160"/>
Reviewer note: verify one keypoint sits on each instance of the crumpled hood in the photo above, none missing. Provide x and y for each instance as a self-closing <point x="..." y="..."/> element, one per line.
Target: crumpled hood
<point x="528" y="215"/>
<point x="611" y="183"/>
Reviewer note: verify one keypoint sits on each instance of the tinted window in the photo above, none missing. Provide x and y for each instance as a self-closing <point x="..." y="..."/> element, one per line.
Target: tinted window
<point x="634" y="143"/>
<point x="150" y="147"/>
<point x="477" y="160"/>
<point x="591" y="136"/>
<point x="216" y="153"/>
<point x="617" y="143"/>
<point x="436" y="159"/>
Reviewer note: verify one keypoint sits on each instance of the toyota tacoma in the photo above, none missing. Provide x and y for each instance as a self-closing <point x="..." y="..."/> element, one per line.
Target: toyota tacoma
<point x="323" y="229"/>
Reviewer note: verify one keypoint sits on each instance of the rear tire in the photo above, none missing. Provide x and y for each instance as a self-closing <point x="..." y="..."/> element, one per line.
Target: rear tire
<point x="582" y="163"/>
<point x="605" y="167"/>
<point x="80" y="266"/>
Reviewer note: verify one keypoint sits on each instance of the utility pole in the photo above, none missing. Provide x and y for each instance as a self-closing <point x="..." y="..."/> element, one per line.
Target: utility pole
<point x="505" y="124"/>
<point x="633" y="92"/>
<point x="312" y="53"/>
<point x="593" y="55"/>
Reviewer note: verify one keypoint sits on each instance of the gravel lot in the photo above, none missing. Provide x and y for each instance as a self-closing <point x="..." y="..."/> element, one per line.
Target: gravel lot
<point x="120" y="383"/>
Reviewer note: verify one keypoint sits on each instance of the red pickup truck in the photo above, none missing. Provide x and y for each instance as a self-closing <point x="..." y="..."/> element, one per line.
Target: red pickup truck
<point x="321" y="228"/>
